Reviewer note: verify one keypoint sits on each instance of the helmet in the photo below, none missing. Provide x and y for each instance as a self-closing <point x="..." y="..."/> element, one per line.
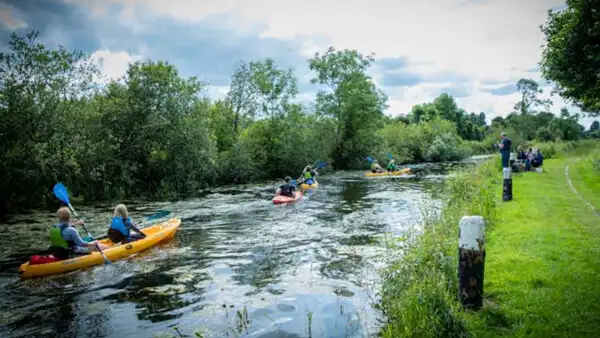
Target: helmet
<point x="287" y="179"/>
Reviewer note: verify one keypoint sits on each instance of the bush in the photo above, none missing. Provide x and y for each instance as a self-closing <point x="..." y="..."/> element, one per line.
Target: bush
<point x="435" y="140"/>
<point x="419" y="289"/>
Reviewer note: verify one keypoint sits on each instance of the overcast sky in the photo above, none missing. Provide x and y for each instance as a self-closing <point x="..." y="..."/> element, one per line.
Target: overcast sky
<point x="475" y="50"/>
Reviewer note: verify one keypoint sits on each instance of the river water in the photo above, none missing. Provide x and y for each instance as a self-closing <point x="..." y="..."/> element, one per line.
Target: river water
<point x="239" y="266"/>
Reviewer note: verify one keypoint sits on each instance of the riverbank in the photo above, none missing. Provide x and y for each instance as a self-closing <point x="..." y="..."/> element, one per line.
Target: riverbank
<point x="542" y="263"/>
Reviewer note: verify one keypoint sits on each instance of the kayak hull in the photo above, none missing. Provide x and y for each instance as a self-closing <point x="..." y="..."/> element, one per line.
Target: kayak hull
<point x="401" y="172"/>
<point x="154" y="234"/>
<point x="288" y="200"/>
<point x="305" y="186"/>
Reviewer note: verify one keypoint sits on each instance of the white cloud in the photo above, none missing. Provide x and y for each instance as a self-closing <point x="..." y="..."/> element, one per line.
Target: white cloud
<point x="483" y="41"/>
<point x="113" y="64"/>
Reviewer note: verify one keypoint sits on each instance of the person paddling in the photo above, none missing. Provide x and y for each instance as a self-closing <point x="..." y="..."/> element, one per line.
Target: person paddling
<point x="65" y="239"/>
<point x="392" y="165"/>
<point x="287" y="189"/>
<point x="308" y="175"/>
<point x="121" y="226"/>
<point x="375" y="167"/>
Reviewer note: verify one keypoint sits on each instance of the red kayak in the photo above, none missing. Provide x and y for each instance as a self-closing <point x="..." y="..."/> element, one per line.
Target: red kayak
<point x="280" y="199"/>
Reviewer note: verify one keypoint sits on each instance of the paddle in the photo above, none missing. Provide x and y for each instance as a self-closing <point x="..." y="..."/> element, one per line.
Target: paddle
<point x="157" y="215"/>
<point x="60" y="191"/>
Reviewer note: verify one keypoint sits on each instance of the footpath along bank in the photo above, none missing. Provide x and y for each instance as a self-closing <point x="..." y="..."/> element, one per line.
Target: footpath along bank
<point x="542" y="265"/>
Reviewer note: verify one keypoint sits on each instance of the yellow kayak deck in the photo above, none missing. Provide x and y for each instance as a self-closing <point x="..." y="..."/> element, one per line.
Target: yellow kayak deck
<point x="305" y="186"/>
<point x="401" y="172"/>
<point x="154" y="235"/>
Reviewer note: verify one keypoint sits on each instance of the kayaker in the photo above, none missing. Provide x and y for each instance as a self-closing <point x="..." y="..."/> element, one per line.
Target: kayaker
<point x="375" y="167"/>
<point x="65" y="240"/>
<point x="392" y="165"/>
<point x="121" y="226"/>
<point x="308" y="175"/>
<point x="287" y="189"/>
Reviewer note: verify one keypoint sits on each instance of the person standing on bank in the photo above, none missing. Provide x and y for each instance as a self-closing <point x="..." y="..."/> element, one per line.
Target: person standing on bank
<point x="504" y="146"/>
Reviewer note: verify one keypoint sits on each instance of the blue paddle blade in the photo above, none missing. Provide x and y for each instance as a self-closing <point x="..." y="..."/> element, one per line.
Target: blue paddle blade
<point x="370" y="159"/>
<point x="390" y="156"/>
<point x="159" y="214"/>
<point x="322" y="165"/>
<point x="60" y="191"/>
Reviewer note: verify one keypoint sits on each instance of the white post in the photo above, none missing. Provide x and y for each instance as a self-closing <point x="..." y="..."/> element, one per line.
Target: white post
<point x="507" y="184"/>
<point x="471" y="261"/>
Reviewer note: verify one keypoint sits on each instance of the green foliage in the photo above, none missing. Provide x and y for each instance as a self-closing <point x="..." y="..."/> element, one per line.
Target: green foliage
<point x="151" y="133"/>
<point x="530" y="90"/>
<point x="419" y="290"/>
<point x="435" y="140"/>
<point x="353" y="101"/>
<point x="571" y="56"/>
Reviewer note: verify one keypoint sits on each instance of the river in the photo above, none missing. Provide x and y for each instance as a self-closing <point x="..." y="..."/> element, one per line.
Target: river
<point x="239" y="266"/>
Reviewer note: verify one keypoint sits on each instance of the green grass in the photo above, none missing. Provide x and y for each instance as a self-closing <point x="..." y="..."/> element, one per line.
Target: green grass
<point x="543" y="261"/>
<point x="585" y="176"/>
<point x="542" y="273"/>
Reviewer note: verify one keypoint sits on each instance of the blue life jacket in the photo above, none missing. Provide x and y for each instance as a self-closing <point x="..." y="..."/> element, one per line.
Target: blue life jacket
<point x="121" y="224"/>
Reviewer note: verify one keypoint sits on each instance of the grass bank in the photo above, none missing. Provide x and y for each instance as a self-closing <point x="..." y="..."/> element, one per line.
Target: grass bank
<point x="542" y="264"/>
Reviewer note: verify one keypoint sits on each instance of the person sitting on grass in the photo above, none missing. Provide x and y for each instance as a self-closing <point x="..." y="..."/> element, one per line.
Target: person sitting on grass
<point x="521" y="155"/>
<point x="65" y="241"/>
<point x="121" y="226"/>
<point x="538" y="159"/>
<point x="287" y="189"/>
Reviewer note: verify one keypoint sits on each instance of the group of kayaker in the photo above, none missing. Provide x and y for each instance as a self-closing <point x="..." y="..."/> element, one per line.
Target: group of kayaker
<point x="376" y="168"/>
<point x="65" y="241"/>
<point x="307" y="177"/>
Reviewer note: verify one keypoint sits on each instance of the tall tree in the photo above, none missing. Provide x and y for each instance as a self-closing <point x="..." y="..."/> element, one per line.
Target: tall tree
<point x="275" y="87"/>
<point x="530" y="91"/>
<point x="353" y="101"/>
<point x="242" y="95"/>
<point x="571" y="55"/>
<point x="41" y="91"/>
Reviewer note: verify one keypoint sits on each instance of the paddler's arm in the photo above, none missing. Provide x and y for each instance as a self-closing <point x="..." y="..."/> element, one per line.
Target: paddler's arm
<point x="137" y="229"/>
<point x="73" y="235"/>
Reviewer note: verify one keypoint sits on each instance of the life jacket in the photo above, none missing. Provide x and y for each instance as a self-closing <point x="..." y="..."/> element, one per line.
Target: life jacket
<point x="60" y="247"/>
<point x="119" y="230"/>
<point x="287" y="190"/>
<point x="308" y="175"/>
<point x="56" y="237"/>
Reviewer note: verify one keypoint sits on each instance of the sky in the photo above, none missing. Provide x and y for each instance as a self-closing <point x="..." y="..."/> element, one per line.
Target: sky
<point x="475" y="50"/>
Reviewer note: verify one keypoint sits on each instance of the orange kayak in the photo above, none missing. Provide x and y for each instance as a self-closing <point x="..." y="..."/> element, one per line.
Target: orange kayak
<point x="280" y="199"/>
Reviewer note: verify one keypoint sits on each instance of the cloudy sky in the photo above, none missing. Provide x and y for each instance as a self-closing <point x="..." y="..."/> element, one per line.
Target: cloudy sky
<point x="475" y="50"/>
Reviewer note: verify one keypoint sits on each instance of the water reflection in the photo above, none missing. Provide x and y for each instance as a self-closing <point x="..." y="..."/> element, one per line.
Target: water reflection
<point x="239" y="266"/>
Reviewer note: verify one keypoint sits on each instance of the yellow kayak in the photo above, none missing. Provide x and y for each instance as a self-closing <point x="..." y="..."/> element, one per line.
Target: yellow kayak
<point x="401" y="172"/>
<point x="305" y="186"/>
<point x="154" y="235"/>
